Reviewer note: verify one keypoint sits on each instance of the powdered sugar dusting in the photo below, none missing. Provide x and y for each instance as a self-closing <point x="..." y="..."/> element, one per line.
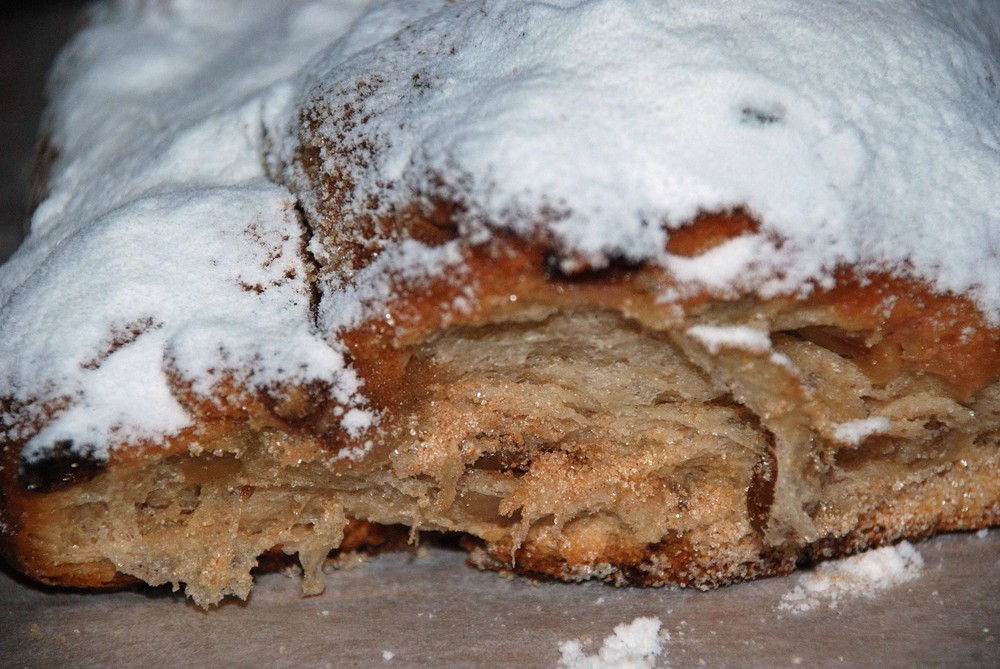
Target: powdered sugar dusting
<point x="635" y="645"/>
<point x="855" y="431"/>
<point x="858" y="576"/>
<point x="718" y="337"/>
<point x="606" y="123"/>
<point x="162" y="250"/>
<point x="346" y="305"/>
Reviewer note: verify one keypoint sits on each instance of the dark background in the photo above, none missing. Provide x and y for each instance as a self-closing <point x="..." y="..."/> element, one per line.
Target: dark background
<point x="30" y="36"/>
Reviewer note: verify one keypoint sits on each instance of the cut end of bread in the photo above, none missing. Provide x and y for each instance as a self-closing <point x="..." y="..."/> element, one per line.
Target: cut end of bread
<point x="574" y="443"/>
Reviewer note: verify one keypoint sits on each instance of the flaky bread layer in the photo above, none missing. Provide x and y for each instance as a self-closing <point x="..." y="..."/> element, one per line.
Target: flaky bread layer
<point x="573" y="442"/>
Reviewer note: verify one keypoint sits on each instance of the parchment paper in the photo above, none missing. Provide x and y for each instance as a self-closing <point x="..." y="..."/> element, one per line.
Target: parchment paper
<point x="434" y="611"/>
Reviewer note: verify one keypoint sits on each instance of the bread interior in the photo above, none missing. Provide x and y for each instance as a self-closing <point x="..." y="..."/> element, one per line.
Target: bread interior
<point x="574" y="443"/>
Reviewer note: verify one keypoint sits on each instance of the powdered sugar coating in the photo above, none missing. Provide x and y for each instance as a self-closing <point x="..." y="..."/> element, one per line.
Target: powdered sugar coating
<point x="161" y="244"/>
<point x="859" y="133"/>
<point x="854" y="131"/>
<point x="853" y="432"/>
<point x="716" y="338"/>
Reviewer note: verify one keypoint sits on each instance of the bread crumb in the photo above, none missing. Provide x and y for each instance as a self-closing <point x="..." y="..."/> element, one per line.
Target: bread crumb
<point x="292" y="571"/>
<point x="387" y="655"/>
<point x="350" y="560"/>
<point x="635" y="645"/>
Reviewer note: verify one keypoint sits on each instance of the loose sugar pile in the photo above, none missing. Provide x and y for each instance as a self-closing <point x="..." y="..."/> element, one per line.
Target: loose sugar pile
<point x="635" y="645"/>
<point x="859" y="576"/>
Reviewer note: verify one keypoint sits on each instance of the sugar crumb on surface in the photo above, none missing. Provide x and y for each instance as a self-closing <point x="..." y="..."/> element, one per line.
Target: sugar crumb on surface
<point x="718" y="337"/>
<point x="162" y="242"/>
<point x="853" y="432"/>
<point x="862" y="575"/>
<point x="842" y="160"/>
<point x="635" y="645"/>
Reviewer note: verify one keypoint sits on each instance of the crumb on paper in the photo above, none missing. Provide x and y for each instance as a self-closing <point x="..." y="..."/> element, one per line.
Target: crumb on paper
<point x="347" y="561"/>
<point x="858" y="576"/>
<point x="634" y="645"/>
<point x="387" y="655"/>
<point x="983" y="533"/>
